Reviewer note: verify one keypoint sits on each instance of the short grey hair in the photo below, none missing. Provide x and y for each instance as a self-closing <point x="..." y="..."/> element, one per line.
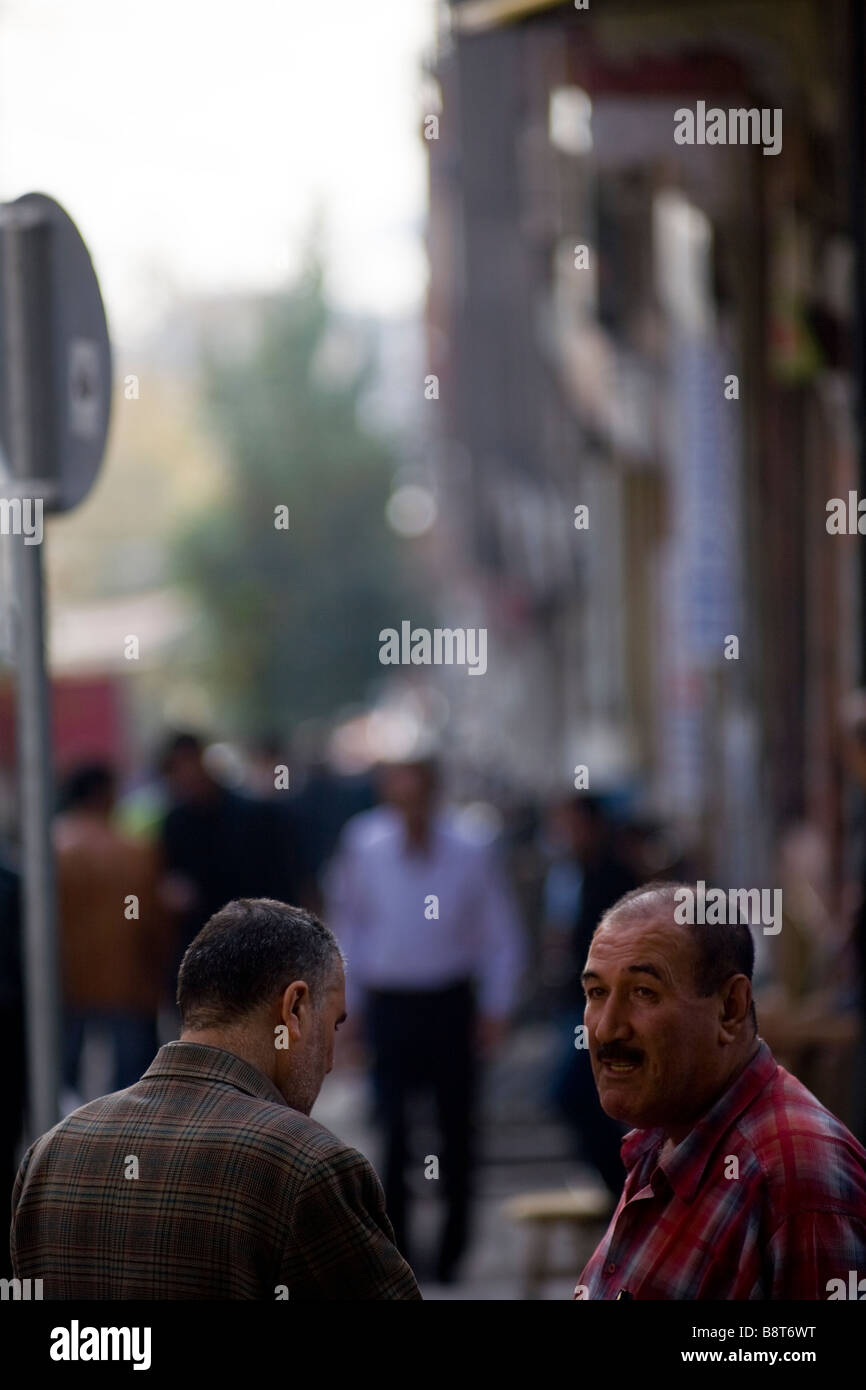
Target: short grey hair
<point x="247" y="953"/>
<point x="721" y="949"/>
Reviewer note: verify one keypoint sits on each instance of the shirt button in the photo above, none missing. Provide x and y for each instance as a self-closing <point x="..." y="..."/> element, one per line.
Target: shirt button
<point x="610" y="1267"/>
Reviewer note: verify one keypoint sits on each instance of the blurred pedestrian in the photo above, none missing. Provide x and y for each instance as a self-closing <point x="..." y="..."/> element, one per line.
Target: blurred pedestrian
<point x="212" y="851"/>
<point x="854" y="749"/>
<point x="593" y="872"/>
<point x="113" y="933"/>
<point x="434" y="950"/>
<point x="325" y="800"/>
<point x="284" y="875"/>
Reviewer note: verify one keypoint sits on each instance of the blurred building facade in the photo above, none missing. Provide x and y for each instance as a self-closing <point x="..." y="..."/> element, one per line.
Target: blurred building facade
<point x="594" y="288"/>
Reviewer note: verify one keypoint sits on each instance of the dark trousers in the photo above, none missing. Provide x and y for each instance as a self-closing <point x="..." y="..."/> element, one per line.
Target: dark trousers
<point x="423" y="1040"/>
<point x="596" y="1137"/>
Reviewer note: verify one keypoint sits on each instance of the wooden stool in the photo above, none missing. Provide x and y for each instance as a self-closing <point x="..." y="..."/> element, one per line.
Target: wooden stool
<point x="581" y="1209"/>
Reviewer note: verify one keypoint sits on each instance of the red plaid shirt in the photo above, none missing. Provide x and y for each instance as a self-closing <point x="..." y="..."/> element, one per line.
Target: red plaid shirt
<point x="780" y="1223"/>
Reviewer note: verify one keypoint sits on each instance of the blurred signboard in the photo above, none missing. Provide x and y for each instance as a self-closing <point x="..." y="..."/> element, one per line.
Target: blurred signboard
<point x="55" y="356"/>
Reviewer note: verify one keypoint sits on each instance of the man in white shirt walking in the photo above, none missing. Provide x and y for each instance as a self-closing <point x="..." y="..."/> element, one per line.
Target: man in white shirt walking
<point x="426" y="920"/>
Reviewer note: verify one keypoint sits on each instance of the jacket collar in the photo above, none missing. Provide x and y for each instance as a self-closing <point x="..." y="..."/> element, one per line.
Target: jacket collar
<point x="684" y="1167"/>
<point x="213" y="1064"/>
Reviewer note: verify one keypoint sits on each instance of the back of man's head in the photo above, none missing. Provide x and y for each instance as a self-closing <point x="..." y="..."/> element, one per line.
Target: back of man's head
<point x="245" y="955"/>
<point x="88" y="787"/>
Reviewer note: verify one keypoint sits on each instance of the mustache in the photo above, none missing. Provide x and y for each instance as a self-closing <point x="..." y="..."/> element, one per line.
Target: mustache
<point x="612" y="1053"/>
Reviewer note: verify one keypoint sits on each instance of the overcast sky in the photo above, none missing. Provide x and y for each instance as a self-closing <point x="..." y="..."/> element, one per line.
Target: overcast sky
<point x="190" y="140"/>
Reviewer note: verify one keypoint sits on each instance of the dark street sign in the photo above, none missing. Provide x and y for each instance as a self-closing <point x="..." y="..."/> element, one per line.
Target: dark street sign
<point x="55" y="356"/>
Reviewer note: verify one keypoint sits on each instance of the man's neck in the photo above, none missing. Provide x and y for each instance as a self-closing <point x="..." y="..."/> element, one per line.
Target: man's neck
<point x="418" y="836"/>
<point x="674" y="1135"/>
<point x="234" y="1043"/>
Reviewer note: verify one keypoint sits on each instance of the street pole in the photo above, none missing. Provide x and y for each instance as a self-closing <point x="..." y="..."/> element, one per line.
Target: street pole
<point x="37" y="859"/>
<point x="29" y="420"/>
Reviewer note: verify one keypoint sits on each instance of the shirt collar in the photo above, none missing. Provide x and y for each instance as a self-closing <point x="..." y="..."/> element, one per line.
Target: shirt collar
<point x="684" y="1167"/>
<point x="213" y="1064"/>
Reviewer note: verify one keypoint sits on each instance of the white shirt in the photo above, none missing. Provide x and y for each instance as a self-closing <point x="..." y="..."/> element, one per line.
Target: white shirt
<point x="382" y="901"/>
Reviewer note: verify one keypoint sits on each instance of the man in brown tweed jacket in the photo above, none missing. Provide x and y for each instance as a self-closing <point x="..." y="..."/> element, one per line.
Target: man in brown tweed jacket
<point x="207" y="1179"/>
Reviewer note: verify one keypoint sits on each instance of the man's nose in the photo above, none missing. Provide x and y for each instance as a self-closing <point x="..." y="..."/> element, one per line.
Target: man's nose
<point x="612" y="1021"/>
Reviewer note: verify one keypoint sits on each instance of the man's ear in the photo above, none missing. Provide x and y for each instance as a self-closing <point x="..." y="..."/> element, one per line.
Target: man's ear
<point x="736" y="1007"/>
<point x="294" y="1004"/>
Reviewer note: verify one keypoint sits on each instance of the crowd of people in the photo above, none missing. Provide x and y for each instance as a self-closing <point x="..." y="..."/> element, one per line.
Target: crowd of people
<point x="449" y="929"/>
<point x="171" y="903"/>
<point x="424" y="906"/>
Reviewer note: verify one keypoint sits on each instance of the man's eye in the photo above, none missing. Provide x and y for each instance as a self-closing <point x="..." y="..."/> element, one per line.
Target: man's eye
<point x="645" y="990"/>
<point x="594" y="991"/>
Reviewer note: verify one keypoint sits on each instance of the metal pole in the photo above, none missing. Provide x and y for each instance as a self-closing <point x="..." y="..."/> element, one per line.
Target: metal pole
<point x="23" y="243"/>
<point x="37" y="858"/>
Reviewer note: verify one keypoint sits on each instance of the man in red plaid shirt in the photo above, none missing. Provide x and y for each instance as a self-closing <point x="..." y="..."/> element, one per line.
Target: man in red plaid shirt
<point x="740" y="1184"/>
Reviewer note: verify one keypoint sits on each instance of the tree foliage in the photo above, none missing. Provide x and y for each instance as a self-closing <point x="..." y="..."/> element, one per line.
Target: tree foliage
<point x="290" y="618"/>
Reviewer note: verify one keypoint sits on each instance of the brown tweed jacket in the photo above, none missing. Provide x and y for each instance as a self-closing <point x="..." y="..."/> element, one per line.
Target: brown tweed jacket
<point x="200" y="1182"/>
